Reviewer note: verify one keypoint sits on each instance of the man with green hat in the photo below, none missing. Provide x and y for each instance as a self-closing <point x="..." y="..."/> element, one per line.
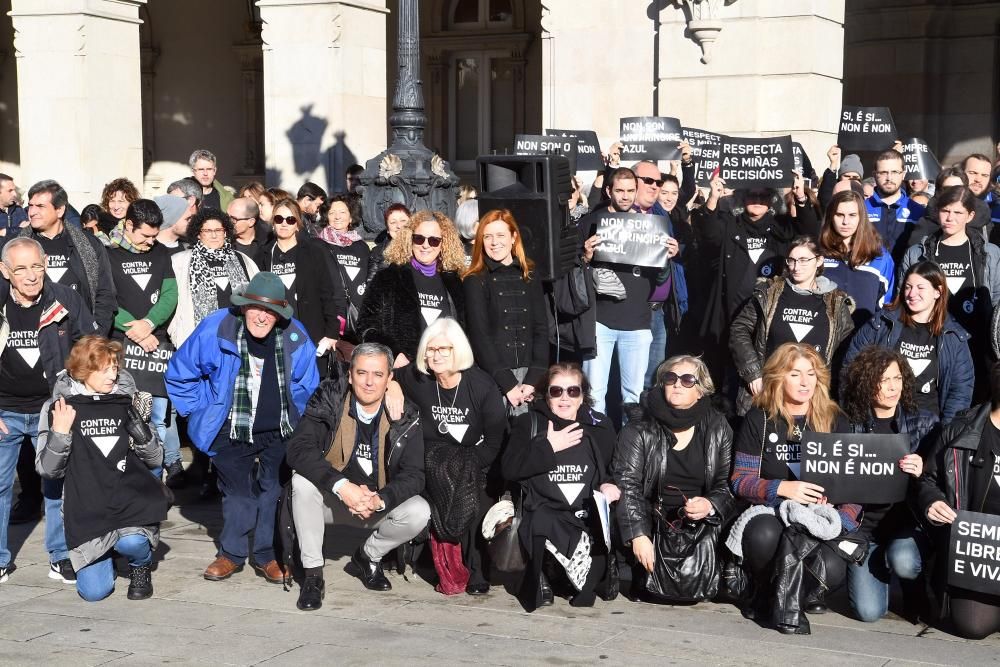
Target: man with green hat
<point x="242" y="379"/>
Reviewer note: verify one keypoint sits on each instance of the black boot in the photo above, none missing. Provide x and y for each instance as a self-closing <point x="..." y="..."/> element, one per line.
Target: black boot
<point x="176" y="478"/>
<point x="801" y="629"/>
<point x="312" y="593"/>
<point x="816" y="603"/>
<point x="140" y="586"/>
<point x="371" y="573"/>
<point x="545" y="596"/>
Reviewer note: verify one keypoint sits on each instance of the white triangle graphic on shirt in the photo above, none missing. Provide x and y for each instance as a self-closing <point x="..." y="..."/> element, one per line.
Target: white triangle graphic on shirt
<point x="288" y="279"/>
<point x="55" y="274"/>
<point x="352" y="271"/>
<point x="800" y="330"/>
<point x="141" y="279"/>
<point x="29" y="354"/>
<point x="997" y="478"/>
<point x="955" y="283"/>
<point x="755" y="254"/>
<point x="571" y="491"/>
<point x="430" y="314"/>
<point x="457" y="431"/>
<point x="918" y="366"/>
<point x="795" y="468"/>
<point x="105" y="443"/>
<point x="366" y="465"/>
<point x="222" y="282"/>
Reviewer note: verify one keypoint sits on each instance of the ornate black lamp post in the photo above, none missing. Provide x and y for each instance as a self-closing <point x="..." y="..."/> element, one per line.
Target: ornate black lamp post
<point x="407" y="172"/>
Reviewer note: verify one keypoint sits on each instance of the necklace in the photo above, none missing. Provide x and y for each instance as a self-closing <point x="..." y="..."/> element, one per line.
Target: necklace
<point x="443" y="425"/>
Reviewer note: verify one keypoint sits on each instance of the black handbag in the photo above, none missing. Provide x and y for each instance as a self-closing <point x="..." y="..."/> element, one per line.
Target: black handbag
<point x="351" y="317"/>
<point x="685" y="563"/>
<point x="505" y="549"/>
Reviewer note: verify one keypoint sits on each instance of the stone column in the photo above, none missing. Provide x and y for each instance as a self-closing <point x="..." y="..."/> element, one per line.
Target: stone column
<point x="324" y="88"/>
<point x="79" y="92"/>
<point x="775" y="67"/>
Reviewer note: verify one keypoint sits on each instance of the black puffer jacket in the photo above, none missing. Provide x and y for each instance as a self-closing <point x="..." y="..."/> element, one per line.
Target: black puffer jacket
<point x="391" y="311"/>
<point x="641" y="460"/>
<point x="507" y="323"/>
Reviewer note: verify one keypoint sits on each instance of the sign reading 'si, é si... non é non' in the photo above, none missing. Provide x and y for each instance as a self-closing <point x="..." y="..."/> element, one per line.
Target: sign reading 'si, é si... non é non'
<point x="866" y="129"/>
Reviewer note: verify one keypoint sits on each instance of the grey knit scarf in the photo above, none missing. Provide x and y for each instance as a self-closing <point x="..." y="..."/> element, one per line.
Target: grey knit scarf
<point x="91" y="267"/>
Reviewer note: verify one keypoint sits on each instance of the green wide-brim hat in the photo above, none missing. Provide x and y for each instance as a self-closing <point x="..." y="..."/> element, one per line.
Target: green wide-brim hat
<point x="265" y="291"/>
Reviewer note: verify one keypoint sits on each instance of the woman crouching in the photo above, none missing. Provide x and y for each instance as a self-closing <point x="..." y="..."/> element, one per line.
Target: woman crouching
<point x="91" y="434"/>
<point x="560" y="452"/>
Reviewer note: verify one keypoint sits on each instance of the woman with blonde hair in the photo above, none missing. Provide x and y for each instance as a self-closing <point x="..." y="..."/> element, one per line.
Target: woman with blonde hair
<point x="420" y="284"/>
<point x="505" y="310"/>
<point x="794" y="399"/>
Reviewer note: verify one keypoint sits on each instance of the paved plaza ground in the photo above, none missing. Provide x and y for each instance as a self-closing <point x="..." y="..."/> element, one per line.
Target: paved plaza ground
<point x="246" y="621"/>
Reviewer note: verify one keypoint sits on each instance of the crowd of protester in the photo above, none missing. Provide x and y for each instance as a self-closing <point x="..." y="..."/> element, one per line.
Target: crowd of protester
<point x="620" y="430"/>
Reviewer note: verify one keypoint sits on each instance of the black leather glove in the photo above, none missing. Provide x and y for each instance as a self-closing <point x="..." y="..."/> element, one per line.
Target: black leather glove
<point x="137" y="427"/>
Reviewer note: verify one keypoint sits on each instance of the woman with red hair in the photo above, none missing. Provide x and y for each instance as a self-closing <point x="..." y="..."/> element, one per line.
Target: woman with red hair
<point x="505" y="310"/>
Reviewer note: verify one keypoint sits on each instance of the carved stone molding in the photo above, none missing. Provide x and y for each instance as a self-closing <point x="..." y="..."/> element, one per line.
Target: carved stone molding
<point x="704" y="23"/>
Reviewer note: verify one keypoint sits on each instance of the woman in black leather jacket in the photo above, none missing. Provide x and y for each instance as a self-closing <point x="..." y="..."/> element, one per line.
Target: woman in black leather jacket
<point x="673" y="459"/>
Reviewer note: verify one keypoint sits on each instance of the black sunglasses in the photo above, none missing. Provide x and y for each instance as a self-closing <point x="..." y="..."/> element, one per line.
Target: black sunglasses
<point x="284" y="220"/>
<point x="555" y="391"/>
<point x="687" y="380"/>
<point x="432" y="241"/>
<point x="658" y="182"/>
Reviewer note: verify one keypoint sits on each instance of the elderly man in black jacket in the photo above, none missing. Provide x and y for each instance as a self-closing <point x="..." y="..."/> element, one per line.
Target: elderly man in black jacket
<point x="357" y="465"/>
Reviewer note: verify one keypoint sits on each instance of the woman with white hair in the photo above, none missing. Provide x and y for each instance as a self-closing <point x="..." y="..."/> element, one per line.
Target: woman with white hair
<point x="467" y="223"/>
<point x="464" y="420"/>
<point x="672" y="465"/>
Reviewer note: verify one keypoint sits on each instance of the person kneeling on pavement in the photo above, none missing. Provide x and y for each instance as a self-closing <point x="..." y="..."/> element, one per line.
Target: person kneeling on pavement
<point x="96" y="433"/>
<point x="355" y="463"/>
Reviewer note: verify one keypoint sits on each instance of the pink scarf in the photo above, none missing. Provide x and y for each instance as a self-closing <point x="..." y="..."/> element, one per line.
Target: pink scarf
<point x="343" y="239"/>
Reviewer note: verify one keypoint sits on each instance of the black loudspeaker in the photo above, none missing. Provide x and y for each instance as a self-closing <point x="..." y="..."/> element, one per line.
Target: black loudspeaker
<point x="536" y="189"/>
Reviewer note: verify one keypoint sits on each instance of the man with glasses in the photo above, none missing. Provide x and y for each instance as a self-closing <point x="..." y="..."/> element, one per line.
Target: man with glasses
<point x="242" y="379"/>
<point x="356" y="465"/>
<point x="43" y="320"/>
<point x="252" y="235"/>
<point x="204" y="168"/>
<point x="889" y="209"/>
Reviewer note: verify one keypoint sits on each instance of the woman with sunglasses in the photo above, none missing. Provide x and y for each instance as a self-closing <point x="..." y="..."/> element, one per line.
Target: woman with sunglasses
<point x="672" y="465"/>
<point x="918" y="326"/>
<point x="340" y="214"/>
<point x="464" y="423"/>
<point x="560" y="452"/>
<point x="307" y="271"/>
<point x="420" y="284"/>
<point x="794" y="398"/>
<point x="396" y="217"/>
<point x="881" y="401"/>
<point x="505" y="310"/>
<point x="803" y="306"/>
<point x="207" y="274"/>
<point x="854" y="256"/>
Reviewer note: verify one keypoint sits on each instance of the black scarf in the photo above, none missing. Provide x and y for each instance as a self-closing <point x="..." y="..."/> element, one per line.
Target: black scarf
<point x="594" y="424"/>
<point x="675" y="419"/>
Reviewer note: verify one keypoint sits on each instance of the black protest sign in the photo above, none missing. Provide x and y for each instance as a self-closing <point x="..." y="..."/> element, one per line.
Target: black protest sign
<point x="866" y="129"/>
<point x="650" y="138"/>
<point x="536" y="144"/>
<point x="974" y="552"/>
<point x="919" y="161"/>
<point x="803" y="164"/>
<point x="632" y="238"/>
<point x="856" y="467"/>
<point x="148" y="368"/>
<point x="588" y="148"/>
<point x="706" y="149"/>
<point x="757" y="163"/>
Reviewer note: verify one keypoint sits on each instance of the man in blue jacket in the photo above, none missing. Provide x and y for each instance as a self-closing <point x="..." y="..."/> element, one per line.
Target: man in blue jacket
<point x="889" y="209"/>
<point x="11" y="215"/>
<point x="242" y="379"/>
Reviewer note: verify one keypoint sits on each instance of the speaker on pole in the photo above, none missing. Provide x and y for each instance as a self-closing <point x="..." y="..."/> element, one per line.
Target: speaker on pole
<point x="536" y="190"/>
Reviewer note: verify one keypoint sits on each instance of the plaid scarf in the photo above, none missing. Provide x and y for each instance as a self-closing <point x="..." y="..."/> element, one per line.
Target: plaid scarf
<point x="117" y="238"/>
<point x="242" y="419"/>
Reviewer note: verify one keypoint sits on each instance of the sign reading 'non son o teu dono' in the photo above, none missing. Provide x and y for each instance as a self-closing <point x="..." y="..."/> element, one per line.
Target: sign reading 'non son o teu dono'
<point x="536" y="144"/>
<point x="757" y="163"/>
<point x="856" y="467"/>
<point x="635" y="239"/>
<point x="974" y="552"/>
<point x="588" y="148"/>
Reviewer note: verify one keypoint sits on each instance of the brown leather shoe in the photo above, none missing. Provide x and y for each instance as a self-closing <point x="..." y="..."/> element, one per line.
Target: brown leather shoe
<point x="221" y="568"/>
<point x="270" y="571"/>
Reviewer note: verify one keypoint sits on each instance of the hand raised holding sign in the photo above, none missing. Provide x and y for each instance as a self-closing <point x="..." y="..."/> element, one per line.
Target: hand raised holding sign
<point x="673" y="249"/>
<point x="801" y="492"/>
<point x="717" y="188"/>
<point x="835" y="155"/>
<point x="589" y="246"/>
<point x="912" y="464"/>
<point x="686" y="152"/>
<point x="566" y="438"/>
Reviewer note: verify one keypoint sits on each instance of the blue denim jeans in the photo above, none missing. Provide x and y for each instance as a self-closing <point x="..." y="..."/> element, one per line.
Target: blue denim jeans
<point x="55" y="529"/>
<point x="658" y="348"/>
<point x="249" y="504"/>
<point x="168" y="434"/>
<point x="633" y="357"/>
<point x="97" y="580"/>
<point x="868" y="584"/>
<point x="18" y="426"/>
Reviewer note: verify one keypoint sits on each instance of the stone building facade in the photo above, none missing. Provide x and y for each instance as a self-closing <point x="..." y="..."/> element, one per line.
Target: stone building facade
<point x="285" y="91"/>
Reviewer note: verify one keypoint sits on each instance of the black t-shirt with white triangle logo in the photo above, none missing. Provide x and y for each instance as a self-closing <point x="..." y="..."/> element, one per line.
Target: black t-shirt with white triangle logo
<point x="956" y="264"/>
<point x="920" y="347"/>
<point x="799" y="318"/>
<point x="283" y="266"/>
<point x="224" y="288"/>
<point x="570" y="481"/>
<point x="23" y="387"/>
<point x="433" y="298"/>
<point x="352" y="261"/>
<point x="139" y="277"/>
<point x="57" y="260"/>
